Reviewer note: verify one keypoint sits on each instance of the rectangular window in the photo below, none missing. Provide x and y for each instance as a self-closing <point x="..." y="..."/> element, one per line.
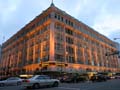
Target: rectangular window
<point x="59" y="57"/>
<point x="45" y="58"/>
<point x="70" y="50"/>
<point x="79" y="61"/>
<point x="71" y="59"/>
<point x="58" y="46"/>
<point x="59" y="27"/>
<point x="69" y="40"/>
<point x="59" y="37"/>
<point x="68" y="31"/>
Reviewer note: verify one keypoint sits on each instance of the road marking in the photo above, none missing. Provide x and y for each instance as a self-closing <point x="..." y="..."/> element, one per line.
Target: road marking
<point x="69" y="88"/>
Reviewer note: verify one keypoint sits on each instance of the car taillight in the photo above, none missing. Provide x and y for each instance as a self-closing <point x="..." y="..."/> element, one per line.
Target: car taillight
<point x="26" y="81"/>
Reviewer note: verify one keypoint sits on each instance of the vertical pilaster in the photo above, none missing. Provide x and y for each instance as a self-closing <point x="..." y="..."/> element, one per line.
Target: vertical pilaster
<point x="52" y="42"/>
<point x="75" y="54"/>
<point x="83" y="55"/>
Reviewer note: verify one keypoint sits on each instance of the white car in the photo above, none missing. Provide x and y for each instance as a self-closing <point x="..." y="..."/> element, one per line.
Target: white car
<point x="11" y="81"/>
<point x="40" y="80"/>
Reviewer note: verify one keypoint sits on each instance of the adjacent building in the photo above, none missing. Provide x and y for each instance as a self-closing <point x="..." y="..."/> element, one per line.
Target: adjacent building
<point x="57" y="42"/>
<point x="118" y="48"/>
<point x="0" y="56"/>
<point x="0" y="52"/>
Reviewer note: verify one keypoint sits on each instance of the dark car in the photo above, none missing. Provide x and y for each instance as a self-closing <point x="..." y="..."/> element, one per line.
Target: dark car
<point x="73" y="79"/>
<point x="98" y="78"/>
<point x="68" y="79"/>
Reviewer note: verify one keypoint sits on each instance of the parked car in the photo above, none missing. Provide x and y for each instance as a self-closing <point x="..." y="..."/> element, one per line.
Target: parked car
<point x="11" y="81"/>
<point x="117" y="77"/>
<point x="73" y="79"/>
<point x="98" y="78"/>
<point x="40" y="80"/>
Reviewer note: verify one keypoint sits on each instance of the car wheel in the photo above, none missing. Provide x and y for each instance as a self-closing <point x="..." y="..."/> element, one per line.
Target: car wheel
<point x="36" y="86"/>
<point x="2" y="84"/>
<point x="55" y="84"/>
<point x="18" y="83"/>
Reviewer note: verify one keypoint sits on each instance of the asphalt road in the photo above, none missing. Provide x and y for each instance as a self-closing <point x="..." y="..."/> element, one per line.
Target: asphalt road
<point x="109" y="85"/>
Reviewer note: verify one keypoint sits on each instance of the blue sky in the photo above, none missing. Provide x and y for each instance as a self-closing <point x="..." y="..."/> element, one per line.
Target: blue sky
<point x="102" y="15"/>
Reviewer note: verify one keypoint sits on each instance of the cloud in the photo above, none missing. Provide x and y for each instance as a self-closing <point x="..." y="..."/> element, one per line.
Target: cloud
<point x="7" y="9"/>
<point x="87" y="10"/>
<point x="107" y="23"/>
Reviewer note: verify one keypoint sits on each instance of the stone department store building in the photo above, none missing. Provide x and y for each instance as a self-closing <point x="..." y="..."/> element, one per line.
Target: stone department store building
<point x="57" y="42"/>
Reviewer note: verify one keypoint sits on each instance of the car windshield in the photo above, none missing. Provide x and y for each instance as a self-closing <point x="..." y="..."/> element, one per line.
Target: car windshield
<point x="13" y="78"/>
<point x="40" y="77"/>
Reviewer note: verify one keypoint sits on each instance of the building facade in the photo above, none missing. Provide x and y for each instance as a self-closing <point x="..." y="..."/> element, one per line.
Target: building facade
<point x="56" y="42"/>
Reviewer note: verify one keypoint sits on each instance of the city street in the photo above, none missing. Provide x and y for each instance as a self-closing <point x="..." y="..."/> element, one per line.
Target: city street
<point x="109" y="85"/>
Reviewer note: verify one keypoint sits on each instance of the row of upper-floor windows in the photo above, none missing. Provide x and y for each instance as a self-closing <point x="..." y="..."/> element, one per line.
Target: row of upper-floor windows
<point x="38" y="50"/>
<point x="84" y="30"/>
<point x="32" y="40"/>
<point x="42" y="30"/>
<point x="61" y="58"/>
<point x="60" y="28"/>
<point x="69" y="59"/>
<point x="71" y="50"/>
<point x="87" y="61"/>
<point x="44" y="47"/>
<point x="36" y="41"/>
<point x="70" y="40"/>
<point x="30" y="61"/>
<point x="39" y="59"/>
<point x="58" y="47"/>
<point x="60" y="18"/>
<point x="71" y="32"/>
<point x="24" y="31"/>
<point x="81" y="37"/>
